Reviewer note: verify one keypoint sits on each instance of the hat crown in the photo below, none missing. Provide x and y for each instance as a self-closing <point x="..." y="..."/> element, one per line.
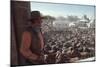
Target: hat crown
<point x="35" y="14"/>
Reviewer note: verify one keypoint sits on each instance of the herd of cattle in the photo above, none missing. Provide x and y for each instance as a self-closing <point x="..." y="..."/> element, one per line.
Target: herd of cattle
<point x="69" y="46"/>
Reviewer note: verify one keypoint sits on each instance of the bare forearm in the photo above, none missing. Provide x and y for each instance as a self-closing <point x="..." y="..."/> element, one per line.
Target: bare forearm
<point x="28" y="54"/>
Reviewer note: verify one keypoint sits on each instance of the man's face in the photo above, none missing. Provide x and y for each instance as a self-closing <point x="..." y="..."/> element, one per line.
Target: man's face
<point x="37" y="21"/>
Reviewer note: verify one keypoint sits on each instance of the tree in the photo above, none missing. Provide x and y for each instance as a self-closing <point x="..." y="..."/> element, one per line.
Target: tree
<point x="48" y="21"/>
<point x="61" y="18"/>
<point x="86" y="18"/>
<point x="73" y="18"/>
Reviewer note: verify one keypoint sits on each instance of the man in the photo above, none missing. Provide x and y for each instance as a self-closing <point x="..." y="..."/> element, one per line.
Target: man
<point x="32" y="41"/>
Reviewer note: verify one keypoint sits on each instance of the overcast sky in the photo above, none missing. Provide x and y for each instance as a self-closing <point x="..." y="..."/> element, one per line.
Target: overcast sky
<point x="63" y="9"/>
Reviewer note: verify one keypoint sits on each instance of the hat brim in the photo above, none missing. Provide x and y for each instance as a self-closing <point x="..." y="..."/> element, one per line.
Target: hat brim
<point x="35" y="18"/>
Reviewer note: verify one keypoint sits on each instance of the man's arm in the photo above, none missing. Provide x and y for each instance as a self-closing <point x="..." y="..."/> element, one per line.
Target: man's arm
<point x="25" y="47"/>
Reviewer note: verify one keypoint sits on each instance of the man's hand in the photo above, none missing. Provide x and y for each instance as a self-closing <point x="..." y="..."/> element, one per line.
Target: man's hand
<point x="41" y="59"/>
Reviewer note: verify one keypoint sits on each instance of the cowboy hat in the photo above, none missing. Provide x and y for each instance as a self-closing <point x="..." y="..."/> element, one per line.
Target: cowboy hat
<point x="35" y="15"/>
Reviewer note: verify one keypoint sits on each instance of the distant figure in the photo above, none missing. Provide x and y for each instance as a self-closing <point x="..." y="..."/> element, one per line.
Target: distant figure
<point x="32" y="43"/>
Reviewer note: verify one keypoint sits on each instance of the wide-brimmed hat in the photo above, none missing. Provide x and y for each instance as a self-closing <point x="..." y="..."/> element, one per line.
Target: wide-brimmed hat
<point x="35" y="15"/>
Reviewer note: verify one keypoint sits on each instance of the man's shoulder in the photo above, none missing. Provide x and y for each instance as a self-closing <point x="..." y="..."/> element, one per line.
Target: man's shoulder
<point x="26" y="33"/>
<point x="29" y="33"/>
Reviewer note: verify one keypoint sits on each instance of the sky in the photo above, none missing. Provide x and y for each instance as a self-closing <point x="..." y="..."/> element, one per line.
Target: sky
<point x="64" y="10"/>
